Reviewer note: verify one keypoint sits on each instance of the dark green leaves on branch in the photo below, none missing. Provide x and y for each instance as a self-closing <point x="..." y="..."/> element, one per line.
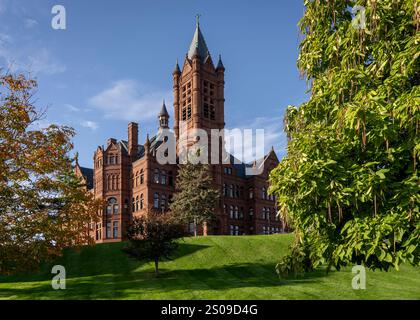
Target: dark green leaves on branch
<point x="350" y="183"/>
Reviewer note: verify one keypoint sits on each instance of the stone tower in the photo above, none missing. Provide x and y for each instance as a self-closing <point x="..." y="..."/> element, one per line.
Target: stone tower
<point x="198" y="90"/>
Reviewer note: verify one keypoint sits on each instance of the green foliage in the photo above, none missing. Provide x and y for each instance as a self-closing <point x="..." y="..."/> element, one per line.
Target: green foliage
<point x="153" y="237"/>
<point x="43" y="207"/>
<point x="350" y="183"/>
<point x="195" y="199"/>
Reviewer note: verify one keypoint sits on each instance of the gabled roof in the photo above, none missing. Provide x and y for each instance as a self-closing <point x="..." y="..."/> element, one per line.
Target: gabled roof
<point x="198" y="45"/>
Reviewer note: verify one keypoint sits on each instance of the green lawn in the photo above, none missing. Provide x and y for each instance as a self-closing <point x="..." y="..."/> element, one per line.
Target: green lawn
<point x="205" y="268"/>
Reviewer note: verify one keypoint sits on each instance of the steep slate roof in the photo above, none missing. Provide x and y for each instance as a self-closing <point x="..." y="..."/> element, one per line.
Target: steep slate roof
<point x="198" y="45"/>
<point x="163" y="111"/>
<point x="88" y="175"/>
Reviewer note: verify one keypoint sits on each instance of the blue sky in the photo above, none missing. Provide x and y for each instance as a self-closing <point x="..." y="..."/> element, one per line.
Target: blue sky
<point x="113" y="64"/>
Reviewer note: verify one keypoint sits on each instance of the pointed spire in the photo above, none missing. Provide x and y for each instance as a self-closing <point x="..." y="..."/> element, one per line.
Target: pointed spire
<point x="147" y="143"/>
<point x="198" y="45"/>
<point x="220" y="65"/>
<point x="163" y="111"/>
<point x="177" y="69"/>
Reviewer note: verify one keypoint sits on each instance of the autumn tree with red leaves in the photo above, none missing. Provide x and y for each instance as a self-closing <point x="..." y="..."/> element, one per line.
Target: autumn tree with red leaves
<point x="43" y="206"/>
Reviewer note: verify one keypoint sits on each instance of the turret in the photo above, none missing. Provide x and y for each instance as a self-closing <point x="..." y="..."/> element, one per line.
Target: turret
<point x="163" y="117"/>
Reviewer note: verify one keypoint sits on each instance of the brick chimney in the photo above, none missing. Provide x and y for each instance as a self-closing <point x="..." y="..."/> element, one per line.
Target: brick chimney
<point x="133" y="138"/>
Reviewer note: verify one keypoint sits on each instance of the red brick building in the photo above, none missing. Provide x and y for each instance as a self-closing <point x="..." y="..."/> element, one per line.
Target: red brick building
<point x="128" y="176"/>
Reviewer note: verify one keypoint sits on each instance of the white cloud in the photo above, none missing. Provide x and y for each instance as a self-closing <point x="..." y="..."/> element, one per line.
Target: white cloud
<point x="16" y="58"/>
<point x="89" y="124"/>
<point x="130" y="101"/>
<point x="71" y="108"/>
<point x="30" y="23"/>
<point x="274" y="136"/>
<point x="43" y="62"/>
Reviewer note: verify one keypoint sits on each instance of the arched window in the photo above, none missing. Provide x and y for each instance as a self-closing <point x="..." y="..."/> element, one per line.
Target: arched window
<point x="137" y="179"/>
<point x="156" y="200"/>
<point x="225" y="190"/>
<point x="231" y="191"/>
<point x="141" y="202"/>
<point x="112" y="206"/>
<point x="141" y="176"/>
<point x="163" y="177"/>
<point x="156" y="176"/>
<point x="251" y="212"/>
<point x="231" y="212"/>
<point x="133" y="205"/>
<point x="236" y="213"/>
<point x="263" y="214"/>
<point x="268" y="213"/>
<point x="224" y="209"/>
<point x="263" y="193"/>
<point x="251" y="193"/>
<point x="137" y="203"/>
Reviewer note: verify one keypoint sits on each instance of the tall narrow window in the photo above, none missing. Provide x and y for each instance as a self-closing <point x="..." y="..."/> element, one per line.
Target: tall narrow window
<point x="156" y="200"/>
<point x="141" y="176"/>
<point x="137" y="203"/>
<point x="156" y="176"/>
<point x="141" y="202"/>
<point x="115" y="230"/>
<point x="163" y="202"/>
<point x="108" y="230"/>
<point x="163" y="177"/>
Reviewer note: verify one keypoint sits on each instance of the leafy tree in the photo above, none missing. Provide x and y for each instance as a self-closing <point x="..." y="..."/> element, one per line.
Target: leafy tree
<point x="43" y="207"/>
<point x="195" y="199"/>
<point x="350" y="183"/>
<point x="153" y="237"/>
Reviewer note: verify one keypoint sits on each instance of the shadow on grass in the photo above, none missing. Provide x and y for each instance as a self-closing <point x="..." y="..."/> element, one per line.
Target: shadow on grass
<point x="103" y="259"/>
<point x="145" y="285"/>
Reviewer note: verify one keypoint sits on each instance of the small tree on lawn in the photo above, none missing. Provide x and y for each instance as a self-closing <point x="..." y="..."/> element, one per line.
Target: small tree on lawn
<point x="195" y="198"/>
<point x="153" y="237"/>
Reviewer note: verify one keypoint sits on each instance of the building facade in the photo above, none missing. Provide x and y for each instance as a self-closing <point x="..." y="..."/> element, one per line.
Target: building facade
<point x="128" y="176"/>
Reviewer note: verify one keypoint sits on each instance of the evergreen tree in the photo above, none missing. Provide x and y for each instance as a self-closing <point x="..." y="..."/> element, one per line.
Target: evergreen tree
<point x="195" y="199"/>
<point x="349" y="182"/>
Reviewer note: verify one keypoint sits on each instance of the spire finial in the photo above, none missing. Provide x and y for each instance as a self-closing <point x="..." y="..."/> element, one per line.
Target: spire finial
<point x="197" y="17"/>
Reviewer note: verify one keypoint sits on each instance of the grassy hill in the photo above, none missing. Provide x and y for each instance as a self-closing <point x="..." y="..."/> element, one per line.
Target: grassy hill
<point x="205" y="268"/>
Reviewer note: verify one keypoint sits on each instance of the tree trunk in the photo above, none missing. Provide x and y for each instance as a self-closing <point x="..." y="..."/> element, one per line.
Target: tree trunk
<point x="195" y="228"/>
<point x="205" y="233"/>
<point x="156" y="266"/>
